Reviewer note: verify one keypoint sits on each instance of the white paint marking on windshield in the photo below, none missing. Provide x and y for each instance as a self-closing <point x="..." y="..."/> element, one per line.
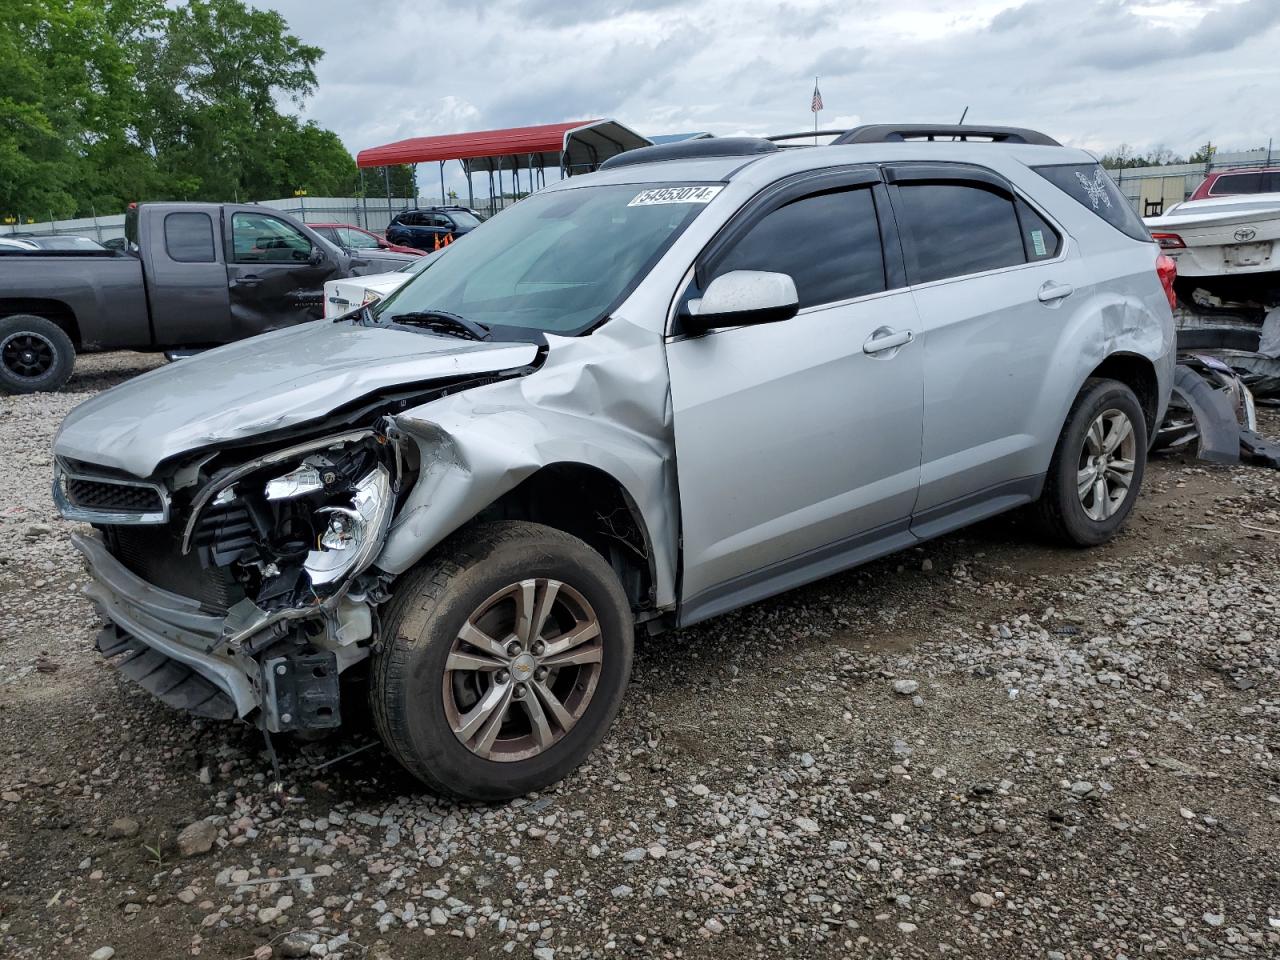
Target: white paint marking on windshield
<point x="647" y="198"/>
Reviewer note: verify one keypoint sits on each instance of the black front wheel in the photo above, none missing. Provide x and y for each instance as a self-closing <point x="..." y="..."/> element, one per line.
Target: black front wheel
<point x="36" y="355"/>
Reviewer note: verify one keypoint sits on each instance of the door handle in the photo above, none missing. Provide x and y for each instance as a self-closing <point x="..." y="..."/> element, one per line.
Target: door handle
<point x="886" y="338"/>
<point x="1051" y="291"/>
<point x="246" y="281"/>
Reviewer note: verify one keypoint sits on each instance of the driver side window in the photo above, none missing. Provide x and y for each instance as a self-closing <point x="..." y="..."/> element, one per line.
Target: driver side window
<point x="262" y="239"/>
<point x="828" y="243"/>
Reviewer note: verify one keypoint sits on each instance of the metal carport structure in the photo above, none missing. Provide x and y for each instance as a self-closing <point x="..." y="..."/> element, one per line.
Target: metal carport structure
<point x="575" y="147"/>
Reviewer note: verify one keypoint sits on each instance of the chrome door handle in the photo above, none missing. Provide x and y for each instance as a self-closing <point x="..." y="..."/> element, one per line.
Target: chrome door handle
<point x="886" y="338"/>
<point x="1051" y="291"/>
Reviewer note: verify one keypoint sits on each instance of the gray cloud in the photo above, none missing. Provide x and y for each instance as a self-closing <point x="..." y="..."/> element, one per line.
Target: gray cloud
<point x="1095" y="73"/>
<point x="839" y="62"/>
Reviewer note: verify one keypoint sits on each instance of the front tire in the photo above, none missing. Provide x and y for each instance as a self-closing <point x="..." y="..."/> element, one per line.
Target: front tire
<point x="1097" y="467"/>
<point x="503" y="661"/>
<point x="36" y="355"/>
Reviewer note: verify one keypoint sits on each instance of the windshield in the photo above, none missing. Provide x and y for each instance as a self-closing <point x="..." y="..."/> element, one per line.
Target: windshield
<point x="464" y="219"/>
<point x="556" y="262"/>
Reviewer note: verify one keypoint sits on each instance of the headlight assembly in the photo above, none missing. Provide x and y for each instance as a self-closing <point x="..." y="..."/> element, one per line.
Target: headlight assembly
<point x="352" y="535"/>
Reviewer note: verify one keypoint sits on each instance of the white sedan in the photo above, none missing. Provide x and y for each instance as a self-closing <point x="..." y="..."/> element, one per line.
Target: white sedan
<point x="1221" y="235"/>
<point x="343" y="296"/>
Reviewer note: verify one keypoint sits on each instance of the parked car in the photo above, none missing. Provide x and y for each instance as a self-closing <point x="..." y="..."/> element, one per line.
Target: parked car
<point x="1227" y="183"/>
<point x="344" y="295"/>
<point x="642" y="397"/>
<point x="1221" y="235"/>
<point x="359" y="240"/>
<point x="200" y="274"/>
<point x="428" y="227"/>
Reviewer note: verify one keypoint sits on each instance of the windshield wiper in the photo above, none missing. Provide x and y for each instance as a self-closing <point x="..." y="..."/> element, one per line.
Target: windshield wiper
<point x="443" y="322"/>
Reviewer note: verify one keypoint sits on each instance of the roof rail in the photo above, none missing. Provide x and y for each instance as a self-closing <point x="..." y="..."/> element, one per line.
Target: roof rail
<point x="691" y="150"/>
<point x="890" y="132"/>
<point x="806" y="135"/>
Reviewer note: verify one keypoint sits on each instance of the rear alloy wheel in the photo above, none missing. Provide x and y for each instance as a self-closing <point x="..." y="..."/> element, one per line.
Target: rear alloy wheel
<point x="1097" y="466"/>
<point x="503" y="661"/>
<point x="1106" y="465"/>
<point x="35" y="354"/>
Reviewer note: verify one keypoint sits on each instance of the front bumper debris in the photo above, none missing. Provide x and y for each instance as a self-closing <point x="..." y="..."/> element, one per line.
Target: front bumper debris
<point x="176" y="651"/>
<point x="172" y="625"/>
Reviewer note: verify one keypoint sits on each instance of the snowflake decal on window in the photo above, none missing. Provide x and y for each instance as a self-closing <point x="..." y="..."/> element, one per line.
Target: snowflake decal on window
<point x="1096" y="187"/>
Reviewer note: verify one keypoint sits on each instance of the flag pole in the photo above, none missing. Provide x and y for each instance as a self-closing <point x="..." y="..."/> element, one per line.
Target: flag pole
<point x="815" y="115"/>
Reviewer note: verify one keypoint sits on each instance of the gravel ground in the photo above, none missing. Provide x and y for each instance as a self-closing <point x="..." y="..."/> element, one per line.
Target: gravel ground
<point x="981" y="747"/>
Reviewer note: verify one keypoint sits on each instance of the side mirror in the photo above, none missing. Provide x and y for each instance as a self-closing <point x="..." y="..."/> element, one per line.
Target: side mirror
<point x="742" y="298"/>
<point x="316" y="257"/>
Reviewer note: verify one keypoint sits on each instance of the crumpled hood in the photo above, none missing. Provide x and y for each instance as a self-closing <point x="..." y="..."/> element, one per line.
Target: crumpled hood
<point x="266" y="383"/>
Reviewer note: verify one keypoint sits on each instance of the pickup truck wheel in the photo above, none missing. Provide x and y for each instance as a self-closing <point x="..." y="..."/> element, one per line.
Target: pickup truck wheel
<point x="1097" y="467"/>
<point x="503" y="660"/>
<point x="35" y="354"/>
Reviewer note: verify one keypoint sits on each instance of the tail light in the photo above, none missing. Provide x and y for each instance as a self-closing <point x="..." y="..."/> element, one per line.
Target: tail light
<point x="1167" y="271"/>
<point x="1168" y="241"/>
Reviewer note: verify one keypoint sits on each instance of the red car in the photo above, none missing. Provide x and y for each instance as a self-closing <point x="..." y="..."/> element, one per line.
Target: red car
<point x="1228" y="183"/>
<point x="357" y="238"/>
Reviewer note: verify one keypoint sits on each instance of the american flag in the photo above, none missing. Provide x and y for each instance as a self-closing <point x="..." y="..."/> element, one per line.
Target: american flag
<point x="817" y="98"/>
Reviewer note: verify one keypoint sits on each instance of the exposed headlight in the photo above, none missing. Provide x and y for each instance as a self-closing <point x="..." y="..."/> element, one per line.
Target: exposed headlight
<point x="301" y="480"/>
<point x="353" y="534"/>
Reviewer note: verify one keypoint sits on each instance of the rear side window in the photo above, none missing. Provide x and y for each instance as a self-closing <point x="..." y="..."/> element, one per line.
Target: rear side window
<point x="829" y="244"/>
<point x="953" y="229"/>
<point x="1258" y="181"/>
<point x="1039" y="239"/>
<point x="188" y="237"/>
<point x="1091" y="187"/>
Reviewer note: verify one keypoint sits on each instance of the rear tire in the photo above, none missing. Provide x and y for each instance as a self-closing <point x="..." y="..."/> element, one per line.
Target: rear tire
<point x="1097" y="466"/>
<point x="453" y="642"/>
<point x="36" y="355"/>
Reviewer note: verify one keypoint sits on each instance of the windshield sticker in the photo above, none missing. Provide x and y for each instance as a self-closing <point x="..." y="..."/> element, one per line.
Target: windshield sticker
<point x="1037" y="242"/>
<point x="646" y="198"/>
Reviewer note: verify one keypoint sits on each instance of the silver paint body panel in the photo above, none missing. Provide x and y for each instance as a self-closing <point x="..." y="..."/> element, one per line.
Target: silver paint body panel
<point x="756" y="458"/>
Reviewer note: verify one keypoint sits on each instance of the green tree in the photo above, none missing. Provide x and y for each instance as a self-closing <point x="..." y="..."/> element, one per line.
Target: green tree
<point x="107" y="101"/>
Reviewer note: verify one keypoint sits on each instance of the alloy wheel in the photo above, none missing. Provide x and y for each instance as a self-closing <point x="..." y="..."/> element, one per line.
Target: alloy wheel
<point x="522" y="670"/>
<point x="27" y="354"/>
<point x="1105" y="470"/>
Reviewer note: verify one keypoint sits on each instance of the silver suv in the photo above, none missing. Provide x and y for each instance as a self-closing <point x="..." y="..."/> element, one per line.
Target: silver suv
<point x="705" y="374"/>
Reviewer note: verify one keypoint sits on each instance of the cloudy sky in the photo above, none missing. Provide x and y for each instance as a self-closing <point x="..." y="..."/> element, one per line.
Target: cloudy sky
<point x="1094" y="73"/>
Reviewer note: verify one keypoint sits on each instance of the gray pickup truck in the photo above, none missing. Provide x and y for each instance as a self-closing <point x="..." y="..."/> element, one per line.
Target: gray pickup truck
<point x="193" y="275"/>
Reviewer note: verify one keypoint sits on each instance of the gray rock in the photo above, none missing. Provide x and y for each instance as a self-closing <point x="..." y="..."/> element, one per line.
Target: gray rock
<point x="197" y="838"/>
<point x="122" y="827"/>
<point x="103" y="953"/>
<point x="905" y="688"/>
<point x="298" y="943"/>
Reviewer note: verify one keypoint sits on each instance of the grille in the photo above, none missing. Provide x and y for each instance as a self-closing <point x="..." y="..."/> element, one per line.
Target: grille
<point x="155" y="555"/>
<point x="107" y="496"/>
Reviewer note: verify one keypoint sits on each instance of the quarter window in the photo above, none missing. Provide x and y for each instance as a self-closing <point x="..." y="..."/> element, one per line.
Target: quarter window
<point x="953" y="229"/>
<point x="261" y="239"/>
<point x="188" y="238"/>
<point x="1039" y="240"/>
<point x="829" y="244"/>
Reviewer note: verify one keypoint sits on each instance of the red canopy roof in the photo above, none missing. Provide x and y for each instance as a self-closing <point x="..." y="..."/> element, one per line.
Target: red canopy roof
<point x="547" y="138"/>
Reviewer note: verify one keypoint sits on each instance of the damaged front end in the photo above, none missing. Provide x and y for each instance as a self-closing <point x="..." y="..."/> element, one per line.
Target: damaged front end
<point x="241" y="585"/>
